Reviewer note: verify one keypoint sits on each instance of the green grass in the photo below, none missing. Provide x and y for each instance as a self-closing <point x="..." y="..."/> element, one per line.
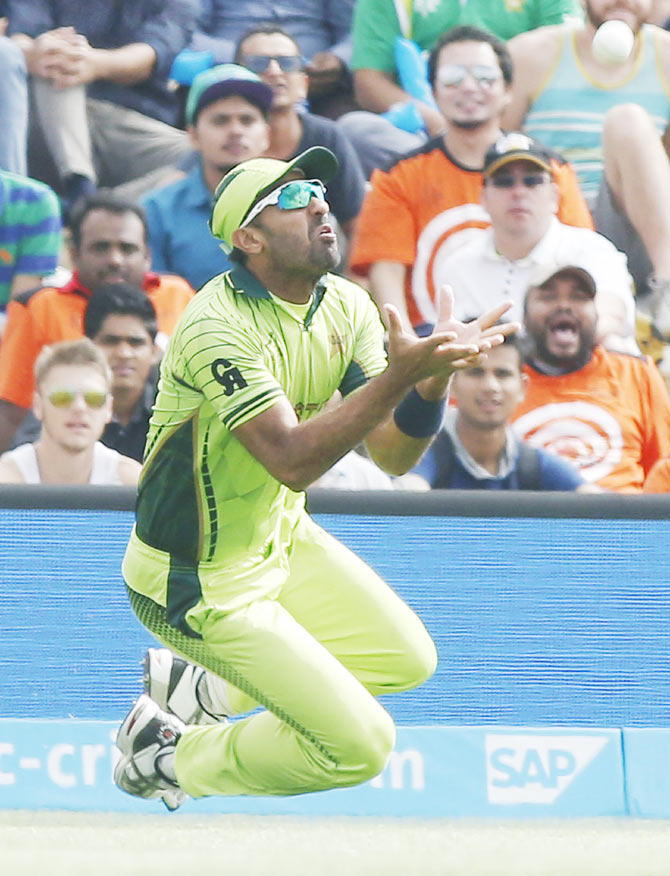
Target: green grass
<point x="91" y="844"/>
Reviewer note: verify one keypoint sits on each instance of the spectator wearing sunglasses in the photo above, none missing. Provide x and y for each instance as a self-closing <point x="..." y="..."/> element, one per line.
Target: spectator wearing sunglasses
<point x="495" y="263"/>
<point x="73" y="402"/>
<point x="320" y="28"/>
<point x="275" y="372"/>
<point x="611" y="119"/>
<point x="378" y="86"/>
<point x="426" y="204"/>
<point x="226" y="119"/>
<point x="275" y="56"/>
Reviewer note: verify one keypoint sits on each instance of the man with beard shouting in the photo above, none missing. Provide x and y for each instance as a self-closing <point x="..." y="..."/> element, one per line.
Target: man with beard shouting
<point x="607" y="412"/>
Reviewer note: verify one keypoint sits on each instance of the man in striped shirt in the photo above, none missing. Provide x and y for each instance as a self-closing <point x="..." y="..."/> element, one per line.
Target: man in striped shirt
<point x="30" y="239"/>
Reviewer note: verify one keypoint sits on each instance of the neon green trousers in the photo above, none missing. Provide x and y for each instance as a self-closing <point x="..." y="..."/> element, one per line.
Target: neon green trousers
<point x="314" y="653"/>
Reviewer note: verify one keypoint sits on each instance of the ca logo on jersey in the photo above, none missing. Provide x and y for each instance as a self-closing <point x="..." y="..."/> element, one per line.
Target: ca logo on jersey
<point x="228" y="376"/>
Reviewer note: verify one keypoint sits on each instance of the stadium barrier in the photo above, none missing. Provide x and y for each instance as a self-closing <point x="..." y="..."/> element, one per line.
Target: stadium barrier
<point x="549" y="612"/>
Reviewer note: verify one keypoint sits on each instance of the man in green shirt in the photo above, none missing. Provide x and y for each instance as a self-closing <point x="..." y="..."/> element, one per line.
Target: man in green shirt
<point x="377" y="24"/>
<point x="274" y="372"/>
<point x="379" y="84"/>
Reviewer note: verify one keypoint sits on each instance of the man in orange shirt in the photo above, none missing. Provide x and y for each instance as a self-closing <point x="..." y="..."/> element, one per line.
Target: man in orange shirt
<point x="607" y="412"/>
<point x="109" y="245"/>
<point x="412" y="214"/>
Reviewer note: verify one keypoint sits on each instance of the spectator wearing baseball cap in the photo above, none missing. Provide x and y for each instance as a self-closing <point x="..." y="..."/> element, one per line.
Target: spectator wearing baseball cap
<point x="608" y="412"/>
<point x="496" y="263"/>
<point x="226" y="119"/>
<point x="240" y="197"/>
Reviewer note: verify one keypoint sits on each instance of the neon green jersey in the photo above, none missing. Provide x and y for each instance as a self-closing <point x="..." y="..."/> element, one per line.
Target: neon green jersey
<point x="237" y="350"/>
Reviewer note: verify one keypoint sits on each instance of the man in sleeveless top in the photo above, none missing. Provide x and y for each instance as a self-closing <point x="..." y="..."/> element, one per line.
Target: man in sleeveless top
<point x="74" y="402"/>
<point x="611" y="122"/>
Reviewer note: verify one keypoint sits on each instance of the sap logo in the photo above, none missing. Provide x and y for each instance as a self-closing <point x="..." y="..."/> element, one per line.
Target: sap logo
<point x="535" y="769"/>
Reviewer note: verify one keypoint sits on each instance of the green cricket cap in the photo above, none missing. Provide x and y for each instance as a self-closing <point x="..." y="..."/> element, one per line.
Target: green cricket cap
<point x="250" y="180"/>
<point x="226" y="80"/>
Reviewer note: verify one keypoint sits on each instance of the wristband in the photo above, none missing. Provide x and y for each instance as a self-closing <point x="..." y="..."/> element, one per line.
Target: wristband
<point x="417" y="417"/>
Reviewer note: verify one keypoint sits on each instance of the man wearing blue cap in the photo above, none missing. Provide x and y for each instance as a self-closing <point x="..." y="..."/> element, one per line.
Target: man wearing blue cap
<point x="226" y="119"/>
<point x="276" y="370"/>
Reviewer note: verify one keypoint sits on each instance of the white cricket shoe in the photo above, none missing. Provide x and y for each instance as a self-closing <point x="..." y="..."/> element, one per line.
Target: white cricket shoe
<point x="179" y="687"/>
<point x="147" y="735"/>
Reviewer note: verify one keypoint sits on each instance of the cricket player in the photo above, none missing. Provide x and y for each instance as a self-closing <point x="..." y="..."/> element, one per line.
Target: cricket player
<point x="276" y="369"/>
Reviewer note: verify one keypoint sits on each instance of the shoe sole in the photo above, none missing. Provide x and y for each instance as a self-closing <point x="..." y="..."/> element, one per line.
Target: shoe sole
<point x="172" y="799"/>
<point x="136" y="720"/>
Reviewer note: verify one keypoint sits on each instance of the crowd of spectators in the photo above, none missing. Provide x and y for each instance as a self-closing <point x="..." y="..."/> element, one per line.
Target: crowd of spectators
<point x="483" y="145"/>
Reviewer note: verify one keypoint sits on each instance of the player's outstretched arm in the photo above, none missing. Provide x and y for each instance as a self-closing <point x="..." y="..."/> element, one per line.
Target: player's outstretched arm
<point x="298" y="453"/>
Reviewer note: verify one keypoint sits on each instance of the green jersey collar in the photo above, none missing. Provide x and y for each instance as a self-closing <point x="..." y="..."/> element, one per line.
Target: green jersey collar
<point x="245" y="282"/>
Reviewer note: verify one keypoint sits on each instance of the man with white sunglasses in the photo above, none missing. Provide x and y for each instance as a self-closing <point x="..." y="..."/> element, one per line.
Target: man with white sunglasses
<point x="73" y="401"/>
<point x="421" y="208"/>
<point x="277" y="369"/>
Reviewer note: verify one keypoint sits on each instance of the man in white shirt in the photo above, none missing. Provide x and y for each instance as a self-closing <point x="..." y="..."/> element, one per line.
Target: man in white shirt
<point x="495" y="263"/>
<point x="73" y="400"/>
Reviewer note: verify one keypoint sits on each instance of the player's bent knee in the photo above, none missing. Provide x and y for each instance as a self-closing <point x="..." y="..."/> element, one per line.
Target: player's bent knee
<point x="425" y="660"/>
<point x="418" y="664"/>
<point x="366" y="753"/>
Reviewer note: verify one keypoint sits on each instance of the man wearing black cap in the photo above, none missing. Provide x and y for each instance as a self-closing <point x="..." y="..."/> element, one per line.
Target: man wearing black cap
<point x="226" y="118"/>
<point x="608" y="412"/>
<point x="419" y="209"/>
<point x="495" y="263"/>
<point x="276" y="372"/>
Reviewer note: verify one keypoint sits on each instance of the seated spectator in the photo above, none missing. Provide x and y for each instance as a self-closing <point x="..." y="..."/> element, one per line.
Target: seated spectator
<point x="99" y="76"/>
<point x="268" y="51"/>
<point x="476" y="449"/>
<point x="73" y="402"/>
<point x="109" y="245"/>
<point x="607" y="412"/>
<point x="495" y="263"/>
<point x="320" y="28"/>
<point x="13" y="100"/>
<point x="226" y="118"/>
<point x="30" y="234"/>
<point x="121" y="320"/>
<point x="377" y="26"/>
<point x="612" y="121"/>
<point x="416" y="213"/>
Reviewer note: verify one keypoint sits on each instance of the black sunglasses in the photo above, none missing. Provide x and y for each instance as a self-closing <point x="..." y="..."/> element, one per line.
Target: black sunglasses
<point x="260" y="63"/>
<point x="506" y="181"/>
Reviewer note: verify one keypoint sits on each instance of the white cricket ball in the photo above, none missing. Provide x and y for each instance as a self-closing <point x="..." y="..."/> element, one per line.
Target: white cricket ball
<point x="613" y="42"/>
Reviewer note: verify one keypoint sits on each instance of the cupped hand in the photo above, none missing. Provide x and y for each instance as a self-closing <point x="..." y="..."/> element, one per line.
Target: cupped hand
<point x="484" y="332"/>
